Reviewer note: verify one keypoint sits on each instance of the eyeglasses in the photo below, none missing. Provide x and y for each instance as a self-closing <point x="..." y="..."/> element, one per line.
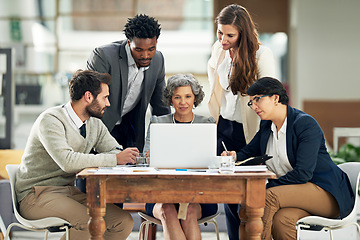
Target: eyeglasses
<point x="257" y="99"/>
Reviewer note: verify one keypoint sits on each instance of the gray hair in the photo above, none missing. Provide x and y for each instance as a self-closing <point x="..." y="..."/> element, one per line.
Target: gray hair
<point x="181" y="80"/>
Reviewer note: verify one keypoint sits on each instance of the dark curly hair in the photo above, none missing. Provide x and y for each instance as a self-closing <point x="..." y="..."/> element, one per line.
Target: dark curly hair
<point x="181" y="80"/>
<point x="142" y="26"/>
<point x="83" y="81"/>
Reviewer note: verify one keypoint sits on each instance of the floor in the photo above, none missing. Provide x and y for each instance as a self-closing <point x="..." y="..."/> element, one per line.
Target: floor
<point x="345" y="234"/>
<point x="133" y="236"/>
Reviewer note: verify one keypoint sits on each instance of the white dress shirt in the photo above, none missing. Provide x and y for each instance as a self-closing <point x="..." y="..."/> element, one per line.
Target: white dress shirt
<point x="135" y="80"/>
<point x="229" y="108"/>
<point x="276" y="147"/>
<point x="73" y="118"/>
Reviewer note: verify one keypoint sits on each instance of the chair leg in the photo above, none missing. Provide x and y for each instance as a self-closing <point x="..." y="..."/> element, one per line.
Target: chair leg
<point x="357" y="227"/>
<point x="46" y="234"/>
<point x="66" y="232"/>
<point x="331" y="234"/>
<point x="146" y="231"/>
<point x="2" y="228"/>
<point x="141" y="228"/>
<point x="297" y="232"/>
<point x="151" y="232"/>
<point x="213" y="221"/>
<point x="7" y="235"/>
<point x="216" y="229"/>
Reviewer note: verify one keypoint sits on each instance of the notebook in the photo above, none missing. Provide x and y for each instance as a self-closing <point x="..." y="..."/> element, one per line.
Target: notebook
<point x="182" y="145"/>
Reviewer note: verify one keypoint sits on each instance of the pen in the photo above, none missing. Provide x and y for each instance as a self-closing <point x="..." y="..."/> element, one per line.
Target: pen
<point x="227" y="152"/>
<point x="119" y="148"/>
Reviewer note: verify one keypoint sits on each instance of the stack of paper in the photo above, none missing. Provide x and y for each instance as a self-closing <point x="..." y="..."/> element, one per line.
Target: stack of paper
<point x="255" y="168"/>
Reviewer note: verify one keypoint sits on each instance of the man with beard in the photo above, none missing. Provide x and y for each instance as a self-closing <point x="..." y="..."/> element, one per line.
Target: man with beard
<point x="59" y="146"/>
<point x="138" y="74"/>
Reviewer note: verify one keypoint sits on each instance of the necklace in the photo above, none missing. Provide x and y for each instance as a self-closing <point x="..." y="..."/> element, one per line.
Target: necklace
<point x="173" y="119"/>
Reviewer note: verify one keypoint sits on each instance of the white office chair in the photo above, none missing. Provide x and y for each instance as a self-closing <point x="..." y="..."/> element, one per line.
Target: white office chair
<point x="316" y="223"/>
<point x="150" y="220"/>
<point x="2" y="227"/>
<point x="49" y="224"/>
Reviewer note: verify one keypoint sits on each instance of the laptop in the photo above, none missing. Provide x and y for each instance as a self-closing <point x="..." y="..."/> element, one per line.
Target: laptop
<point x="182" y="145"/>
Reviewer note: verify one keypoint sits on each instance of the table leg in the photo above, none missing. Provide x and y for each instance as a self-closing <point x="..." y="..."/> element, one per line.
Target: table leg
<point x="254" y="224"/>
<point x="252" y="211"/>
<point x="95" y="188"/>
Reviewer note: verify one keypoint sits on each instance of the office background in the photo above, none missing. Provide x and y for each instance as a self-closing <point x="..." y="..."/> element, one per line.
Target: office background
<point x="315" y="44"/>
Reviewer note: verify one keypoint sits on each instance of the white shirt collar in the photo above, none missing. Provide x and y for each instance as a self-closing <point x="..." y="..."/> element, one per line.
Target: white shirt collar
<point x="131" y="60"/>
<point x="282" y="129"/>
<point x="72" y="115"/>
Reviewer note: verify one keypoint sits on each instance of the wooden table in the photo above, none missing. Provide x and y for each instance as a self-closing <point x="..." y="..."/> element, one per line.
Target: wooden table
<point x="246" y="188"/>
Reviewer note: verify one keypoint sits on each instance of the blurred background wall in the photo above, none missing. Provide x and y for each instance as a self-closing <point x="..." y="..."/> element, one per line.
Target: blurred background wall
<point x="315" y="45"/>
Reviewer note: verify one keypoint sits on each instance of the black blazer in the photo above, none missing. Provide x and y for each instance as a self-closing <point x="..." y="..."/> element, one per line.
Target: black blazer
<point x="112" y="59"/>
<point x="307" y="154"/>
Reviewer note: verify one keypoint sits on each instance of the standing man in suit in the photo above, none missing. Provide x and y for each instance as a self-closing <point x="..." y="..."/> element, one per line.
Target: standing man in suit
<point x="138" y="74"/>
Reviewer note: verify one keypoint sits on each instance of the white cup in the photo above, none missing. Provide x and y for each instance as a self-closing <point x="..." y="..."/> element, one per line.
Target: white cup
<point x="227" y="164"/>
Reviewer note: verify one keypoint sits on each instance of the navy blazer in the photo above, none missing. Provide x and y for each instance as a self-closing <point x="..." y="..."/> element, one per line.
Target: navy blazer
<point x="308" y="156"/>
<point x="112" y="59"/>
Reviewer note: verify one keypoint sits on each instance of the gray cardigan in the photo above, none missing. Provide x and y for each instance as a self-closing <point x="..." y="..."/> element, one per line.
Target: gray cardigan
<point x="169" y="119"/>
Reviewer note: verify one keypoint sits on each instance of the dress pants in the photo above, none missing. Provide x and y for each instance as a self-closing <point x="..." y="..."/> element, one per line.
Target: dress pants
<point x="232" y="134"/>
<point x="69" y="204"/>
<point x="286" y="204"/>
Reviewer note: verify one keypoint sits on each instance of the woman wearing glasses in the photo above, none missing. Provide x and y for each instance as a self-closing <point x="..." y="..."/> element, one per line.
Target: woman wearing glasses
<point x="237" y="60"/>
<point x="308" y="182"/>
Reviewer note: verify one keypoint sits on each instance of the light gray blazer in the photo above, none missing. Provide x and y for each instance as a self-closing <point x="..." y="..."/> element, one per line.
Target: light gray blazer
<point x="112" y="59"/>
<point x="169" y="119"/>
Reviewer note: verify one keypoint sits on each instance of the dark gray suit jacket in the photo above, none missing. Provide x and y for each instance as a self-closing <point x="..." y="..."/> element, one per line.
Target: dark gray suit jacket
<point x="112" y="59"/>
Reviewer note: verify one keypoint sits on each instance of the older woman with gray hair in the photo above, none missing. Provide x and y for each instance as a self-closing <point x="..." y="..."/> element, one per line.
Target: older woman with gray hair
<point x="183" y="92"/>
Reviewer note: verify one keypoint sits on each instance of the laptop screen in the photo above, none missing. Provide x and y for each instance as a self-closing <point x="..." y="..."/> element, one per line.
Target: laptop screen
<point x="182" y="145"/>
